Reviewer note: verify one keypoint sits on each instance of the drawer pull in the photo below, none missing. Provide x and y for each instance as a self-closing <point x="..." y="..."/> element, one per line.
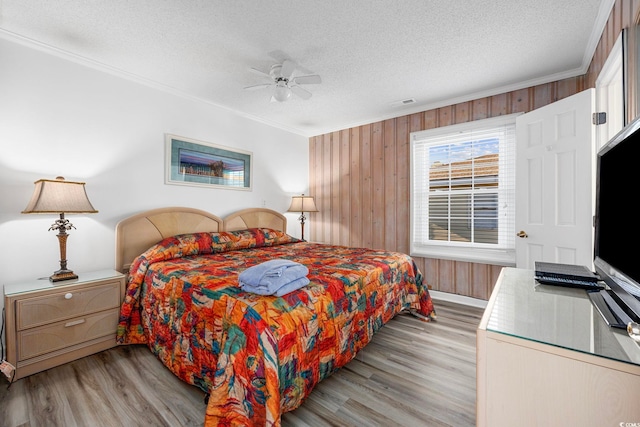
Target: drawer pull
<point x="68" y="295"/>
<point x="74" y="323"/>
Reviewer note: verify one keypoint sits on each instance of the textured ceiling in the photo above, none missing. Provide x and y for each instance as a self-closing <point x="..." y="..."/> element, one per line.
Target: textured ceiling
<point x="369" y="53"/>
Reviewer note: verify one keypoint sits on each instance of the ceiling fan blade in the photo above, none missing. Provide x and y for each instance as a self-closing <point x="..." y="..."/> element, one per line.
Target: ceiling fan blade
<point x="302" y="93"/>
<point x="255" y="87"/>
<point x="287" y="68"/>
<point x="307" y="80"/>
<point x="260" y="73"/>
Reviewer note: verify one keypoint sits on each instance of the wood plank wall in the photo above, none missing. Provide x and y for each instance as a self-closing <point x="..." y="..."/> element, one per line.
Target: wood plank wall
<point x="360" y="176"/>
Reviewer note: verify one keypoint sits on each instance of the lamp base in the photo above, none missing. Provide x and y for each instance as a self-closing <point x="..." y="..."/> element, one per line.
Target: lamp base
<point x="61" y="275"/>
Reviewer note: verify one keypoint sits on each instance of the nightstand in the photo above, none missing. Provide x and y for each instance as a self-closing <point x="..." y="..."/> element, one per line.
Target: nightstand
<point x="48" y="324"/>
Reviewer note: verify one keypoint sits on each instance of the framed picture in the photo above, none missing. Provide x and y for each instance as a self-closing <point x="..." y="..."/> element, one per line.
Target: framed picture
<point x="199" y="163"/>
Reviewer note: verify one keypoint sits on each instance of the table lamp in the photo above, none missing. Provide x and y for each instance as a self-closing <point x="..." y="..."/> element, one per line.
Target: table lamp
<point x="59" y="197"/>
<point x="302" y="204"/>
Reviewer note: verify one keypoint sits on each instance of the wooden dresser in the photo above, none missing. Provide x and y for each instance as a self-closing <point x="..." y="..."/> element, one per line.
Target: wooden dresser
<point x="48" y="324"/>
<point x="545" y="357"/>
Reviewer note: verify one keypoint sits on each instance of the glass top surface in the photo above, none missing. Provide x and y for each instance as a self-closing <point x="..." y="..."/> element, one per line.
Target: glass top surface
<point x="43" y="283"/>
<point x="555" y="315"/>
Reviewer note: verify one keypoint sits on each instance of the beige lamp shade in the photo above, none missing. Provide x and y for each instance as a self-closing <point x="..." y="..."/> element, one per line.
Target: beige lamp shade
<point x="302" y="204"/>
<point x="59" y="196"/>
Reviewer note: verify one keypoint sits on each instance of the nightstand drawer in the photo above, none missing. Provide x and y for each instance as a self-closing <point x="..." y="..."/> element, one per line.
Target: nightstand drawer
<point x="45" y="339"/>
<point x="66" y="304"/>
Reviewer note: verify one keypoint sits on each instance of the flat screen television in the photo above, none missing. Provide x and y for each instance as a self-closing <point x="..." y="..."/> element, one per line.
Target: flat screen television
<point x="617" y="246"/>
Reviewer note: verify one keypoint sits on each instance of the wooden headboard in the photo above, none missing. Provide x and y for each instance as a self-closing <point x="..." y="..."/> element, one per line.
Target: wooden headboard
<point x="139" y="232"/>
<point x="136" y="234"/>
<point x="255" y="218"/>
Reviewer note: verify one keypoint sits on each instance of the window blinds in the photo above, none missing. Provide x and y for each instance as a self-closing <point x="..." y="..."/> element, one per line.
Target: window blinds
<point x="463" y="188"/>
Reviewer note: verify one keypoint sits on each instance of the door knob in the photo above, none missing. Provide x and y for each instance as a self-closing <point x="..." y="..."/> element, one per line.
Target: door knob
<point x="522" y="234"/>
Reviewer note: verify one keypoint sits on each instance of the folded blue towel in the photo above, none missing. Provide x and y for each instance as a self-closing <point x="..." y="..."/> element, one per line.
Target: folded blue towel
<point x="292" y="286"/>
<point x="269" y="277"/>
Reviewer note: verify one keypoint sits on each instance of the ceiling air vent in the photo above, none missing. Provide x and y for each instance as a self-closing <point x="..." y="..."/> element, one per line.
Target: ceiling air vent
<point x="404" y="102"/>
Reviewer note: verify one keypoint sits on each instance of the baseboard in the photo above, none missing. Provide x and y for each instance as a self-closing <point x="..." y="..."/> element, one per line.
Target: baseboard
<point x="459" y="299"/>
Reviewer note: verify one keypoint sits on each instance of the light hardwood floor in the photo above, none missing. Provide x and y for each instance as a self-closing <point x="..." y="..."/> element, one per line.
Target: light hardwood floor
<point x="412" y="374"/>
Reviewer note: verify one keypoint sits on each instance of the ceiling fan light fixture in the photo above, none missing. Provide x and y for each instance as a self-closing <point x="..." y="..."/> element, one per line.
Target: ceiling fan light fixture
<point x="284" y="83"/>
<point x="282" y="92"/>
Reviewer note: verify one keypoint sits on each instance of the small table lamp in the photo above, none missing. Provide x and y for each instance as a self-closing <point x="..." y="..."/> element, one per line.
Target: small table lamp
<point x="59" y="197"/>
<point x="302" y="204"/>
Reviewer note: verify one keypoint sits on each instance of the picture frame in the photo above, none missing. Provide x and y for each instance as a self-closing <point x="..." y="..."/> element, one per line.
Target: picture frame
<point x="199" y="163"/>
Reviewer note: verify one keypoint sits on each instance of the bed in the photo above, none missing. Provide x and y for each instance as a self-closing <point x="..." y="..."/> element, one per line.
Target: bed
<point x="256" y="356"/>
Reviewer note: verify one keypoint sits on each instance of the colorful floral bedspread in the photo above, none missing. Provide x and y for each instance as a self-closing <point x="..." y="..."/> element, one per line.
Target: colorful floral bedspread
<point x="260" y="356"/>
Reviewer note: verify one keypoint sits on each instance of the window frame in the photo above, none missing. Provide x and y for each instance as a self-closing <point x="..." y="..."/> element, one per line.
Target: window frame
<point x="504" y="252"/>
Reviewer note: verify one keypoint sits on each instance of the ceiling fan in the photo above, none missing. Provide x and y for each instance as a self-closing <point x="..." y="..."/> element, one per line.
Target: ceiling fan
<point x="284" y="82"/>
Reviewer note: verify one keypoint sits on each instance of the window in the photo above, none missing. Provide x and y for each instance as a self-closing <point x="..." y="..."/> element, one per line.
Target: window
<point x="463" y="191"/>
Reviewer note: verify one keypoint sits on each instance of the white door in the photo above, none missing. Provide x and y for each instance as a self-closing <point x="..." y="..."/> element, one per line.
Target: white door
<point x="610" y="94"/>
<point x="555" y="146"/>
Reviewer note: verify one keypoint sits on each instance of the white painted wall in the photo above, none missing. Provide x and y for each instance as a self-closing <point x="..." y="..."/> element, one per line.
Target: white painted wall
<point x="60" y="117"/>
